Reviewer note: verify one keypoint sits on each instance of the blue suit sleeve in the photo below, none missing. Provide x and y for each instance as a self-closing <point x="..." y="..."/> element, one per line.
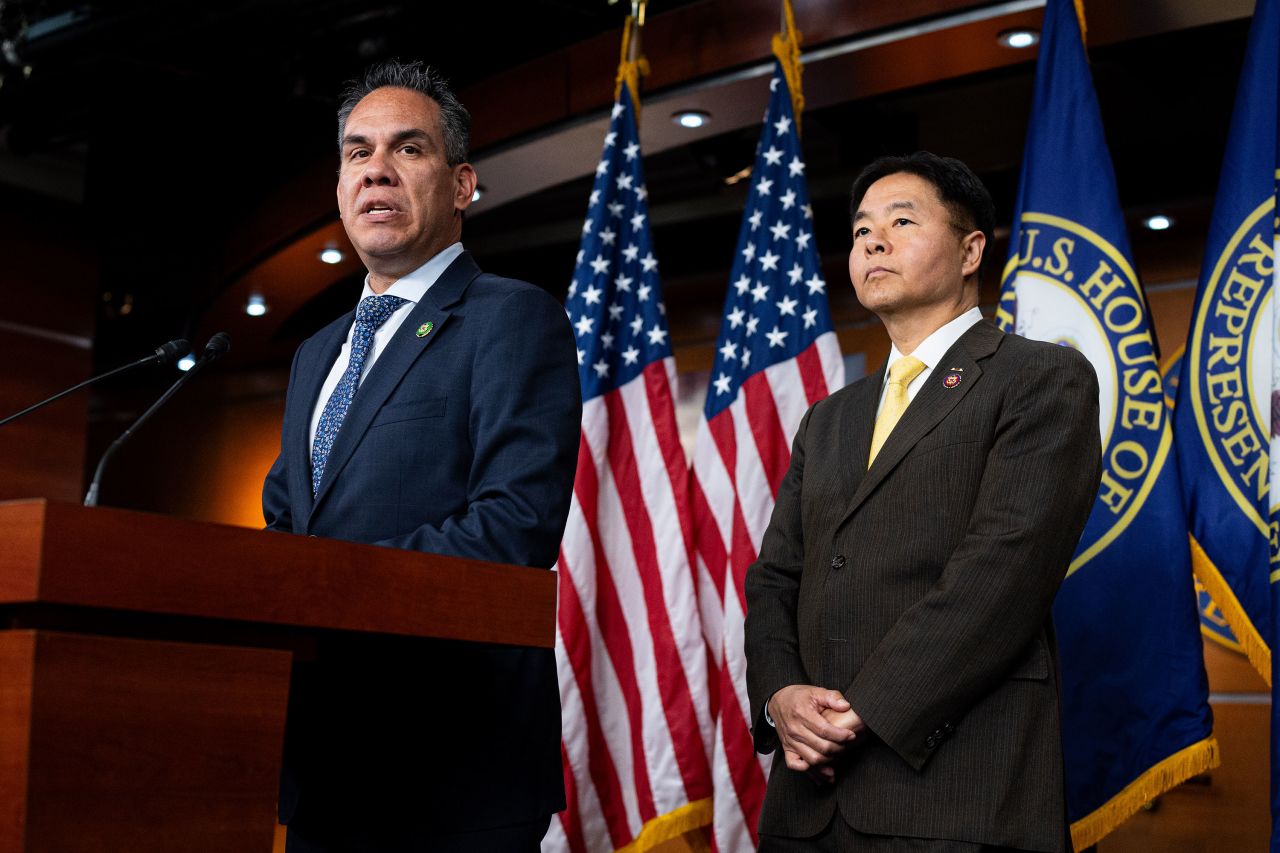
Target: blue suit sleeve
<point x="275" y="489"/>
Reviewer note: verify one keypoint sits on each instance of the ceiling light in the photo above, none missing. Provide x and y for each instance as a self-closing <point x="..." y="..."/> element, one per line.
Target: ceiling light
<point x="186" y="363"/>
<point x="332" y="255"/>
<point x="1159" y="222"/>
<point x="256" y="306"/>
<point x="1019" y="39"/>
<point x="691" y="118"/>
<point x="478" y="194"/>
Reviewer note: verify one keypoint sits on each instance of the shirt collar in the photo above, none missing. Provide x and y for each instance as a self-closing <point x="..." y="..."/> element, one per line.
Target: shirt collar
<point x="934" y="347"/>
<point x="413" y="286"/>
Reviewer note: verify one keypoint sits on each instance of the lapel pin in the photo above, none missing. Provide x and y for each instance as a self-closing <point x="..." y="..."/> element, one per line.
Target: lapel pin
<point x="951" y="380"/>
<point x="425" y="329"/>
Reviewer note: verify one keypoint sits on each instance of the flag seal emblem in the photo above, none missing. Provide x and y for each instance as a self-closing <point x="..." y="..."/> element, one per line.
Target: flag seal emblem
<point x="425" y="329"/>
<point x="952" y="380"/>
<point x="1230" y="354"/>
<point x="1073" y="287"/>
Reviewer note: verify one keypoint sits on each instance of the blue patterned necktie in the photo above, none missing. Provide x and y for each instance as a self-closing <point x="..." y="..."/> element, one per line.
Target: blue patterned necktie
<point x="370" y="315"/>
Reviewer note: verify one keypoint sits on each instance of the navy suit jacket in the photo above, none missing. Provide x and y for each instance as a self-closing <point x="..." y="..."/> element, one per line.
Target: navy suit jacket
<point x="462" y="441"/>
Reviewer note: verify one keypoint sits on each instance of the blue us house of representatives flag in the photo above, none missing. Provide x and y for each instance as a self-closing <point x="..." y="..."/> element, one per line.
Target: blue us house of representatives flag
<point x="1225" y="419"/>
<point x="1214" y="626"/>
<point x="1136" y="718"/>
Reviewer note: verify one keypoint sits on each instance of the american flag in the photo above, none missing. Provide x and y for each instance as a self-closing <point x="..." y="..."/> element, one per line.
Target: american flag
<point x="629" y="646"/>
<point x="777" y="355"/>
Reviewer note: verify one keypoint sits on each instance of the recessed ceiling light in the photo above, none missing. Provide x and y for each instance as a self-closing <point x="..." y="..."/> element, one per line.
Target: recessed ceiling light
<point x="1159" y="222"/>
<point x="478" y="194"/>
<point x="256" y="306"/>
<point x="332" y="255"/>
<point x="1019" y="39"/>
<point x="691" y="118"/>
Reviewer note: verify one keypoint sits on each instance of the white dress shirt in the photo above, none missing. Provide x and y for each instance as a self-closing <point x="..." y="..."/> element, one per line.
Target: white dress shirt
<point x="411" y="288"/>
<point x="930" y="351"/>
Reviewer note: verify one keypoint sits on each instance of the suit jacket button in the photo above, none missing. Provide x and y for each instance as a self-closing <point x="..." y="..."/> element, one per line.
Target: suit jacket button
<point x="837" y="562"/>
<point x="931" y="741"/>
<point x="948" y="729"/>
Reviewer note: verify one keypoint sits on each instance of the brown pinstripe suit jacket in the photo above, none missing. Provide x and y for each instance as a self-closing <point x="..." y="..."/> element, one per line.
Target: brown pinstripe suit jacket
<point x="921" y="589"/>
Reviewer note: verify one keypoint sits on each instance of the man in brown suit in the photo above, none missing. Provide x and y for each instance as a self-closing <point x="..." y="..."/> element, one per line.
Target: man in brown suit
<point x="900" y="652"/>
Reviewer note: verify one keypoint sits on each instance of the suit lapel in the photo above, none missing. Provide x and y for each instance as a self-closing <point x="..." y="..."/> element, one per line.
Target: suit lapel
<point x="856" y="424"/>
<point x="932" y="403"/>
<point x="394" y="362"/>
<point x="310" y="379"/>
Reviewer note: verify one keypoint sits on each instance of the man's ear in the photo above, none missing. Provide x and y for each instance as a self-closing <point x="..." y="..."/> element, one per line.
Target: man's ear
<point x="972" y="246"/>
<point x="465" y="186"/>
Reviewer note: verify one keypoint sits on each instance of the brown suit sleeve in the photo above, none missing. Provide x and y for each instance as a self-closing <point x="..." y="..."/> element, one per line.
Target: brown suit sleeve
<point x="773" y="591"/>
<point x="993" y="597"/>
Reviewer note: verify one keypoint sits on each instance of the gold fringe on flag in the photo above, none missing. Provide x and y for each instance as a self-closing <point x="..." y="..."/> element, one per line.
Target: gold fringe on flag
<point x="632" y="65"/>
<point x="664" y="828"/>
<point x="1084" y="27"/>
<point x="786" y="46"/>
<point x="1255" y="647"/>
<point x="1173" y="771"/>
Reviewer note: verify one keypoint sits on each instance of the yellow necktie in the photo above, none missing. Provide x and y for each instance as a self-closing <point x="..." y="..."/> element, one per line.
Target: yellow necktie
<point x="901" y="372"/>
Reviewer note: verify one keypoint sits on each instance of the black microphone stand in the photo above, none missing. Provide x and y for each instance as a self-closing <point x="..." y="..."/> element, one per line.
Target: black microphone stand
<point x="164" y="354"/>
<point x="217" y="345"/>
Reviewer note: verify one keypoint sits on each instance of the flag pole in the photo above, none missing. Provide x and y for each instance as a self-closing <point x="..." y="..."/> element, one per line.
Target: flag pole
<point x="632" y="65"/>
<point x="786" y="47"/>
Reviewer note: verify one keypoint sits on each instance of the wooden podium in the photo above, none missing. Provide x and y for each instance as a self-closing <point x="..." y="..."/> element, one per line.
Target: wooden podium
<point x="144" y="665"/>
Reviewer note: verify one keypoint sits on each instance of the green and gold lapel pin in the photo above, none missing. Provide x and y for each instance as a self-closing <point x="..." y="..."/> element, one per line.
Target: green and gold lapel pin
<point x="425" y="329"/>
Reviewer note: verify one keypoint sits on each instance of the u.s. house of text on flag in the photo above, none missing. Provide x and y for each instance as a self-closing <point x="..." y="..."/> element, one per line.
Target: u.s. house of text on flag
<point x="1136" y="719"/>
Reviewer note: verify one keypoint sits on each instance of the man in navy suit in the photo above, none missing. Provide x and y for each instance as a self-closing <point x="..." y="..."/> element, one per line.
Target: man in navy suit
<point x="442" y="415"/>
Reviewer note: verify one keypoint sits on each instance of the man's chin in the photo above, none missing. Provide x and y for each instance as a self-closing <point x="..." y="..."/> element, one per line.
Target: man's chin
<point x="382" y="251"/>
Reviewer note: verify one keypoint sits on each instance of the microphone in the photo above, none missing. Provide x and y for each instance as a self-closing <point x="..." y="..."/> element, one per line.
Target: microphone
<point x="163" y="354"/>
<point x="219" y="345"/>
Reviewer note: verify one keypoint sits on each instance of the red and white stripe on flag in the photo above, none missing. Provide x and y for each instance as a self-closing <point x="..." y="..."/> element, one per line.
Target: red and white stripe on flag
<point x="633" y="667"/>
<point x="739" y="459"/>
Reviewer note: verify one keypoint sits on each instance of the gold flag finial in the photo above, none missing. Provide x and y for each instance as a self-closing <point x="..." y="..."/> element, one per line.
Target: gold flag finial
<point x="786" y="46"/>
<point x="632" y="65"/>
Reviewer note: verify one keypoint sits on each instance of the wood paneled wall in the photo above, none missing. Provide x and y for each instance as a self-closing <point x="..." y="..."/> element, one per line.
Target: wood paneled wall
<point x="48" y="286"/>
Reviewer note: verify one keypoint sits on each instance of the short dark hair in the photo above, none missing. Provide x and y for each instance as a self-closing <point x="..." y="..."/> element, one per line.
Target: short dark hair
<point x="960" y="190"/>
<point x="455" y="121"/>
